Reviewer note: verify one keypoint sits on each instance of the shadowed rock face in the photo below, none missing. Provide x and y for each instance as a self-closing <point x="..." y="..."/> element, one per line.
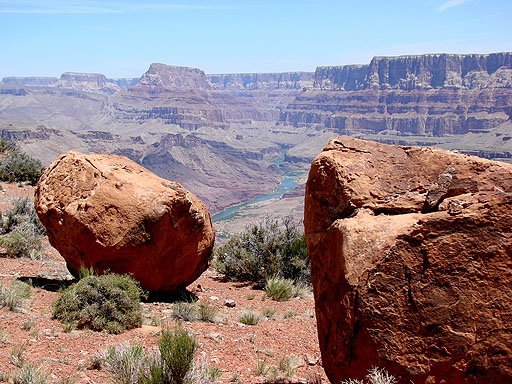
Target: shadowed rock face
<point x="110" y="213"/>
<point x="411" y="255"/>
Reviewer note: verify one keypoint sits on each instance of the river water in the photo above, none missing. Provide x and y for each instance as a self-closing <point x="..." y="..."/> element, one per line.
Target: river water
<point x="288" y="184"/>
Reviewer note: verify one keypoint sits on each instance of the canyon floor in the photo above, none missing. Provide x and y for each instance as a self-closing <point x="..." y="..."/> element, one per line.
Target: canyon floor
<point x="232" y="347"/>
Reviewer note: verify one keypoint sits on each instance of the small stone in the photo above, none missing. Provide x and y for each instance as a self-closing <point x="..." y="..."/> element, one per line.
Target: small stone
<point x="310" y="359"/>
<point x="214" y="336"/>
<point x="230" y="303"/>
<point x="214" y="298"/>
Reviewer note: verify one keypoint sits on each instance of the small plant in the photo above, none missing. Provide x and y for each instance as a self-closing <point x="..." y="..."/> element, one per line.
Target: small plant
<point x="177" y="349"/>
<point x="249" y="317"/>
<point x="84" y="272"/>
<point x="375" y="376"/>
<point x="127" y="363"/>
<point x="68" y="326"/>
<point x="17" y="355"/>
<point x="314" y="378"/>
<point x="19" y="166"/>
<point x="27" y="325"/>
<point x="22" y="230"/>
<point x="207" y="312"/>
<point x="14" y="296"/>
<point x="290" y="314"/>
<point x="7" y="146"/>
<point x="262" y="368"/>
<point x="288" y="366"/>
<point x="28" y="374"/>
<point x="269" y="312"/>
<point x="251" y="296"/>
<point x="184" y="311"/>
<point x="109" y="302"/>
<point x="264" y="250"/>
<point x="279" y="289"/>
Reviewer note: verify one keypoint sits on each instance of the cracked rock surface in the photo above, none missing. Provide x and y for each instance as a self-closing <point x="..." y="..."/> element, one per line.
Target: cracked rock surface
<point x="110" y="213"/>
<point x="411" y="252"/>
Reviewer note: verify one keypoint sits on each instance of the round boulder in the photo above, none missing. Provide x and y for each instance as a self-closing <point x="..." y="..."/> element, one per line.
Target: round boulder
<point x="109" y="213"/>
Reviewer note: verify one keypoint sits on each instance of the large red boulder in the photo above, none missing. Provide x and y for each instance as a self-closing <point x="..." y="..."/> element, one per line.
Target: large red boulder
<point x="411" y="255"/>
<point x="110" y="213"/>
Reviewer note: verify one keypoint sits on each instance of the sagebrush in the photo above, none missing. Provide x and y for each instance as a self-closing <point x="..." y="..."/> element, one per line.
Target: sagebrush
<point x="21" y="230"/>
<point x="172" y="362"/>
<point x="20" y="167"/>
<point x="264" y="250"/>
<point x="108" y="302"/>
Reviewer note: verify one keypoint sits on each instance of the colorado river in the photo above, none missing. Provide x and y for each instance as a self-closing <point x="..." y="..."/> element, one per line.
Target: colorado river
<point x="288" y="184"/>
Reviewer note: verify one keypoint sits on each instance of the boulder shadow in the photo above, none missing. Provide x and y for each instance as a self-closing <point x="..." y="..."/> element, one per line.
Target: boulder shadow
<point x="51" y="285"/>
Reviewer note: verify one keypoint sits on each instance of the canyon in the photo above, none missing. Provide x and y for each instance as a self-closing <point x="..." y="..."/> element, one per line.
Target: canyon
<point x="221" y="135"/>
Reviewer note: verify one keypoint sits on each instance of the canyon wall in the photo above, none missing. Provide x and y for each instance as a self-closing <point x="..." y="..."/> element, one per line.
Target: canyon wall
<point x="426" y="95"/>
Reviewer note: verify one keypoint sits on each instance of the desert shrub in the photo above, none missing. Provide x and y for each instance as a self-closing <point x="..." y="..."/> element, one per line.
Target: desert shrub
<point x="19" y="166"/>
<point x="127" y="362"/>
<point x="22" y="212"/>
<point x="207" y="312"/>
<point x="184" y="311"/>
<point x="109" y="302"/>
<point x="264" y="250"/>
<point x="7" y="146"/>
<point x="248" y="317"/>
<point x="174" y="360"/>
<point x="375" y="376"/>
<point x="14" y="296"/>
<point x="269" y="312"/>
<point x="23" y="241"/>
<point x="21" y="230"/>
<point x="281" y="289"/>
<point x="28" y="374"/>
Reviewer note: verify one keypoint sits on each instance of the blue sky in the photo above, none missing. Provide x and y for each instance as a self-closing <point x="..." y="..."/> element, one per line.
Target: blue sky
<point x="122" y="38"/>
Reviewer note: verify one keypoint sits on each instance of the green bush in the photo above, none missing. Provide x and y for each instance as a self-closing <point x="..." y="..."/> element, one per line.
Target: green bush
<point x="7" y="146"/>
<point x="127" y="362"/>
<point x="184" y="311"/>
<point x="22" y="211"/>
<point x="22" y="230"/>
<point x="19" y="166"/>
<point x="23" y="241"/>
<point x="109" y="302"/>
<point x="173" y="362"/>
<point x="207" y="312"/>
<point x="249" y="317"/>
<point x="28" y="374"/>
<point x="264" y="250"/>
<point x="177" y="350"/>
<point x="281" y="289"/>
<point x="14" y="296"/>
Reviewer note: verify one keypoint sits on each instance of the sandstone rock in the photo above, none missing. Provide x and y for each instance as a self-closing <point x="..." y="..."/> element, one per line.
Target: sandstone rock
<point x="411" y="257"/>
<point x="108" y="212"/>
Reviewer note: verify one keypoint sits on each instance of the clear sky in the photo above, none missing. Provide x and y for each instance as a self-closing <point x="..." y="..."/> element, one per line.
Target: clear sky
<point x="122" y="38"/>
